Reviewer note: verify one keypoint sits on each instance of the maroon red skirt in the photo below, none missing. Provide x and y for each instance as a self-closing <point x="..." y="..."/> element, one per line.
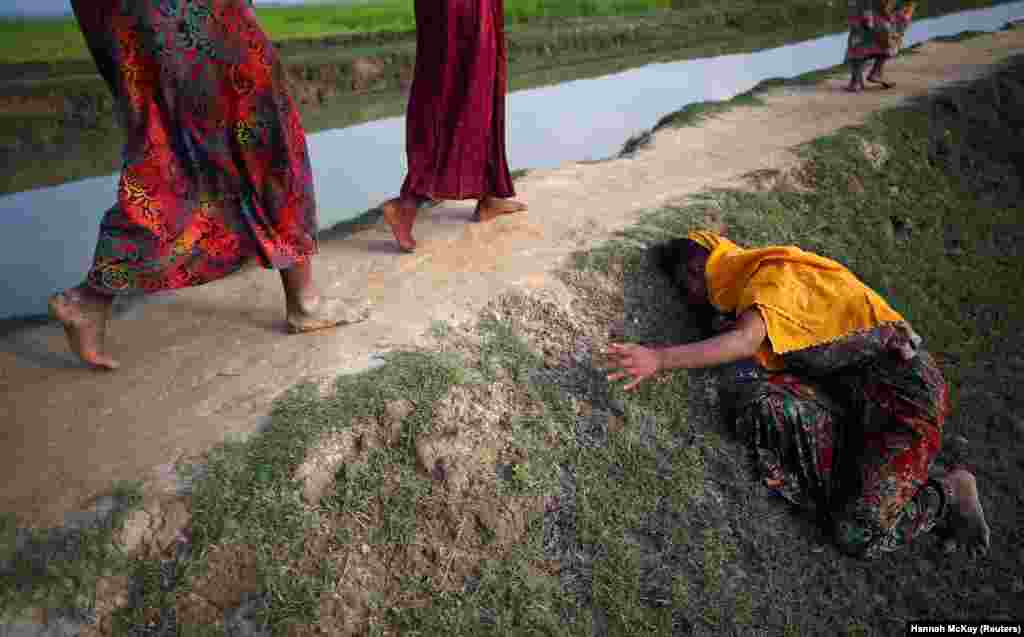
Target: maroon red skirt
<point x="455" y="124"/>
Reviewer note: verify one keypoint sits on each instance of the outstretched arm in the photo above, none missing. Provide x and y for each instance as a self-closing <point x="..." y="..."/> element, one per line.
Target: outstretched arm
<point x="741" y="342"/>
<point x="640" y="363"/>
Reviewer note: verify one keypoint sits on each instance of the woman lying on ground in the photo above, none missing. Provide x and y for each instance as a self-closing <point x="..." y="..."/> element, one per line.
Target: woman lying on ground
<point x="876" y="33"/>
<point x="848" y="391"/>
<point x="215" y="172"/>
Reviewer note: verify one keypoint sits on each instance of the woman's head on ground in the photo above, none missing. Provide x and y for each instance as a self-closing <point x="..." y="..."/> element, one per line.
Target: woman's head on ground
<point x="683" y="261"/>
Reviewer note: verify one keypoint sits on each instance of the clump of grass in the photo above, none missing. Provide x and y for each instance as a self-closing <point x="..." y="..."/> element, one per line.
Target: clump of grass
<point x="39" y="40"/>
<point x="693" y="114"/>
<point x="58" y="568"/>
<point x="506" y="597"/>
<point x="961" y="37"/>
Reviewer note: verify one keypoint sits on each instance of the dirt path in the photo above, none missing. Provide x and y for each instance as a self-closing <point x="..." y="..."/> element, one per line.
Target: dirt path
<point x="207" y="363"/>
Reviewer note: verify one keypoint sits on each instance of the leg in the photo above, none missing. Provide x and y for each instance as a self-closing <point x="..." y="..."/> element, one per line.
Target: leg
<point x="84" y="314"/>
<point x="400" y="214"/>
<point x="856" y="84"/>
<point x="904" y="408"/>
<point x="965" y="523"/>
<point x="896" y="502"/>
<point x="966" y="519"/>
<point x="307" y="310"/>
<point x="792" y="428"/>
<point x="876" y="76"/>
<point x="490" y="208"/>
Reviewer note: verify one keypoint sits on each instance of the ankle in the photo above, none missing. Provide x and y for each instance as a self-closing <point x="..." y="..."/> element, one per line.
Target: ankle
<point x="303" y="303"/>
<point x="88" y="298"/>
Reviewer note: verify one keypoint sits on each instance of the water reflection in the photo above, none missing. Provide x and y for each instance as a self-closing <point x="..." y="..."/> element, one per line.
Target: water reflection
<point x="48" y="234"/>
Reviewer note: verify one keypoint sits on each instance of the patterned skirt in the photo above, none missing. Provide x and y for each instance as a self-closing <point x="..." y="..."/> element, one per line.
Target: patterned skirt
<point x="215" y="166"/>
<point x="854" y="442"/>
<point x="877" y="28"/>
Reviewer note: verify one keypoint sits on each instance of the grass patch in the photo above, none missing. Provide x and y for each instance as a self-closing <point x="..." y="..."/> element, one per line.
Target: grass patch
<point x="57" y="39"/>
<point x="963" y="36"/>
<point x="695" y="113"/>
<point x="59" y="568"/>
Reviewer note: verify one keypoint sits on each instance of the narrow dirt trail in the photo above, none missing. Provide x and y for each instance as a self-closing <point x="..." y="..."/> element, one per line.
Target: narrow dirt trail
<point x="206" y="363"/>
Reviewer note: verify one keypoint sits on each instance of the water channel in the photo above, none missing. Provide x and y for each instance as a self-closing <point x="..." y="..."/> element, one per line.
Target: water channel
<point x="48" y="234"/>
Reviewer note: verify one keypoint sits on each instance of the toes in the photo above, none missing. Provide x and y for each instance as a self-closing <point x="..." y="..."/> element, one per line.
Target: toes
<point x="103" y="362"/>
<point x="330" y="313"/>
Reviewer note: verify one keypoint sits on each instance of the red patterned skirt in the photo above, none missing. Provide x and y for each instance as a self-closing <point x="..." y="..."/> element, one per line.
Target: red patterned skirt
<point x="877" y="28"/>
<point x="855" y="445"/>
<point x="215" y="166"/>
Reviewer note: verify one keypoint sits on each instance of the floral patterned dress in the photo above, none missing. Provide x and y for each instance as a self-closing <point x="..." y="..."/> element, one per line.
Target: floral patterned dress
<point x="850" y="429"/>
<point x="215" y="166"/>
<point x="877" y="28"/>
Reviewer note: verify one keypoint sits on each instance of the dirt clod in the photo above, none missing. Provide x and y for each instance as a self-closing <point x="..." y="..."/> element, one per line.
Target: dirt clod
<point x="172" y="519"/>
<point x="327" y="455"/>
<point x="875" y="153"/>
<point x="135" y="533"/>
<point x="230" y="575"/>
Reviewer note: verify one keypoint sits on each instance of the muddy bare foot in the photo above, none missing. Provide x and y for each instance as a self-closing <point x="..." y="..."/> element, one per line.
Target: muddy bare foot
<point x="490" y="208"/>
<point x="400" y="214"/>
<point x="966" y="517"/>
<point x="320" y="313"/>
<point x="85" y="323"/>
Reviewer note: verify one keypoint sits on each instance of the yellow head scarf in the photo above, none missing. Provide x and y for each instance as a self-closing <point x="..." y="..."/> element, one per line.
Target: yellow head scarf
<point x="804" y="299"/>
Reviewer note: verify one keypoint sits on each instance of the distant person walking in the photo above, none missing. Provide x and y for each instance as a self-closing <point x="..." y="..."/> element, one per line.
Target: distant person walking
<point x="876" y="33"/>
<point x="455" y="124"/>
<point x="215" y="165"/>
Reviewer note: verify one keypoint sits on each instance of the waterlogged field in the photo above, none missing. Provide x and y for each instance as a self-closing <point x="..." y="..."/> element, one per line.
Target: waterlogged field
<point x="55" y="40"/>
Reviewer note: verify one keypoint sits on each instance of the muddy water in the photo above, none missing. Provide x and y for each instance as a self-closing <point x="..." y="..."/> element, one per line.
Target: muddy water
<point x="47" y="236"/>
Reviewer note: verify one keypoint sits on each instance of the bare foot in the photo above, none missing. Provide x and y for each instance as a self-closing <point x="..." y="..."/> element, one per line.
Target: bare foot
<point x="854" y="87"/>
<point x="966" y="517"/>
<point x="400" y="214"/>
<point x="878" y="80"/>
<point x="320" y="313"/>
<point x="85" y="323"/>
<point x="490" y="208"/>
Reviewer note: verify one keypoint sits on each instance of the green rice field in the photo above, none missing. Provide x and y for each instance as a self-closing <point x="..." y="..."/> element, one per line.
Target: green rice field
<point x="58" y="40"/>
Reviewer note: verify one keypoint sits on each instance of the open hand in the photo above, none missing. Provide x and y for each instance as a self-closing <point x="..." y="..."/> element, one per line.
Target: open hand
<point x="637" y="363"/>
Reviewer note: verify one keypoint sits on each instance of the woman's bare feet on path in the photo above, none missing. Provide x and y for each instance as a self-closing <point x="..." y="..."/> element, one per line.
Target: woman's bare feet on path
<point x="320" y="313"/>
<point x="966" y="518"/>
<point x="880" y="81"/>
<point x="854" y="87"/>
<point x="400" y="214"/>
<point x="84" y="317"/>
<point x="490" y="208"/>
